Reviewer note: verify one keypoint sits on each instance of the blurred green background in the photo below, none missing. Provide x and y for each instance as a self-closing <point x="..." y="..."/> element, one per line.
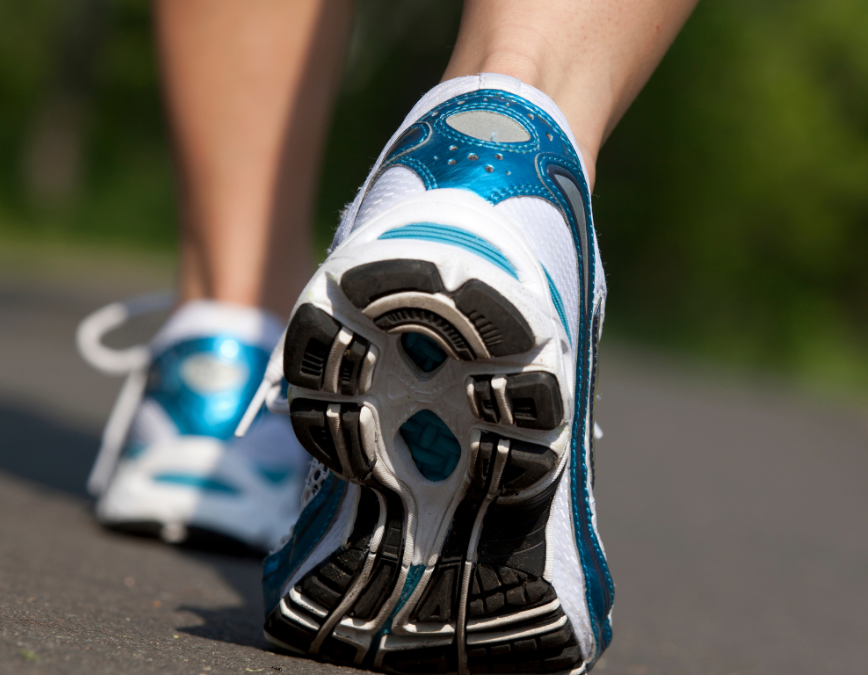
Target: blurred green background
<point x="731" y="202"/>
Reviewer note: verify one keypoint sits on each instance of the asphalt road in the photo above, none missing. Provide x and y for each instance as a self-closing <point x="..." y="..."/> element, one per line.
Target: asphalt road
<point x="735" y="516"/>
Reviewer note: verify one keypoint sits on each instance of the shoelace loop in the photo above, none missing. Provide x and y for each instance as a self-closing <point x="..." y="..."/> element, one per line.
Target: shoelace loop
<point x="93" y="328"/>
<point x="132" y="361"/>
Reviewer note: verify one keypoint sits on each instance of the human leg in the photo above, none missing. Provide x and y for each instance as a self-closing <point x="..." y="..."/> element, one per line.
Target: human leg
<point x="249" y="87"/>
<point x="591" y="58"/>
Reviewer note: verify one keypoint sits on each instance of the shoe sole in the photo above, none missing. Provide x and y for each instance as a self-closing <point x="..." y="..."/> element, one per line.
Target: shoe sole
<point x="443" y="565"/>
<point x="251" y="511"/>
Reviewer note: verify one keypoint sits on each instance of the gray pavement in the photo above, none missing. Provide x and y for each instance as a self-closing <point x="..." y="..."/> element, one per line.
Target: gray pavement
<point x="734" y="515"/>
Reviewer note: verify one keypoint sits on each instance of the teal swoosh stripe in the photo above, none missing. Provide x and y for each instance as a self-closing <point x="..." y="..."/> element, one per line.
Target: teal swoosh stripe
<point x="455" y="236"/>
<point x="204" y="483"/>
<point x="410" y="583"/>
<point x="275" y="476"/>
<point x="559" y="305"/>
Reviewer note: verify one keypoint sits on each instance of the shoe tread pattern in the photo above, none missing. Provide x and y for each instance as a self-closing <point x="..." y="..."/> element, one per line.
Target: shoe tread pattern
<point x="501" y="326"/>
<point x="506" y="579"/>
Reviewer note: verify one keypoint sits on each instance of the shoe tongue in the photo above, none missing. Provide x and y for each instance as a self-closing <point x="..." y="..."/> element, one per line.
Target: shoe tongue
<point x="207" y="318"/>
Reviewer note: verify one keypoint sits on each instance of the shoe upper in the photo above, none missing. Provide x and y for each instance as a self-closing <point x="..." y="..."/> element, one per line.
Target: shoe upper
<point x="510" y="145"/>
<point x="205" y="384"/>
<point x="177" y="460"/>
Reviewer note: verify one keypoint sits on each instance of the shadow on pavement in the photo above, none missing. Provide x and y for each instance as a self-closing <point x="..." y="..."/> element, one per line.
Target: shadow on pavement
<point x="57" y="456"/>
<point x="239" y="625"/>
<point x="44" y="450"/>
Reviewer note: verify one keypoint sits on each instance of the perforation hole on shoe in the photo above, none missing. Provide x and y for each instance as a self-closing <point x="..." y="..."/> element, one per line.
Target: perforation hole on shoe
<point x="433" y="447"/>
<point x="423" y="351"/>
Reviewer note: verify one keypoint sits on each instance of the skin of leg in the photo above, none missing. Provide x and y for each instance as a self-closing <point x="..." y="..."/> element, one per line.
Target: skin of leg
<point x="249" y="88"/>
<point x="592" y="57"/>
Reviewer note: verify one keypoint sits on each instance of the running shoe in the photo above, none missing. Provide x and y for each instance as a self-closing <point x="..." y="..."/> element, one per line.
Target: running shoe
<point x="441" y="368"/>
<point x="169" y="464"/>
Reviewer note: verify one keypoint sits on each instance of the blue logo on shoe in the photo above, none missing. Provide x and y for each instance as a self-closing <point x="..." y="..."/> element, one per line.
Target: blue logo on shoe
<point x="205" y="384"/>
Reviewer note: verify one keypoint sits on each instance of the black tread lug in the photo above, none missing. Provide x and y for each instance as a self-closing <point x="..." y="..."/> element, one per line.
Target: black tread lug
<point x="522" y="547"/>
<point x="306" y="349"/>
<point x="439" y="602"/>
<point x="528" y="464"/>
<point x="367" y="514"/>
<point x="360" y="466"/>
<point x="528" y="645"/>
<point x="512" y="553"/>
<point x="485" y="402"/>
<point x="484" y="460"/>
<point x="314" y="588"/>
<point x="329" y="580"/>
<point x="562" y="637"/>
<point x="569" y="658"/>
<point x="455" y="545"/>
<point x="349" y="559"/>
<point x="554" y="651"/>
<point x="528" y="560"/>
<point x="507" y="657"/>
<point x="387" y="567"/>
<point x="439" y="659"/>
<point x="536" y="400"/>
<point x="365" y="283"/>
<point x="377" y="591"/>
<point x="496" y="593"/>
<point x="351" y="364"/>
<point x="423" y="317"/>
<point x="336" y="651"/>
<point x="310" y="426"/>
<point x="488" y="579"/>
<point x="494" y="603"/>
<point x="393" y="540"/>
<point x="288" y="632"/>
<point x="337" y="577"/>
<point x="501" y="326"/>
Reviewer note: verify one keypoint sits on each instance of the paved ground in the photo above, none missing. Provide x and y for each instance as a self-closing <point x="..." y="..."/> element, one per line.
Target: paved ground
<point x="734" y="516"/>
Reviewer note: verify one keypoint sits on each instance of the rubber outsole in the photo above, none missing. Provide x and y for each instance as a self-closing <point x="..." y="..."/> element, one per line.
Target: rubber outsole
<point x="479" y="603"/>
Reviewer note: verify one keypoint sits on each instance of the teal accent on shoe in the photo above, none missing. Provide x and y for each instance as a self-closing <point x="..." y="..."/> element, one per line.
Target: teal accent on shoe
<point x="276" y="476"/>
<point x="203" y="483"/>
<point x="559" y="305"/>
<point x="410" y="583"/>
<point x="432" y="445"/>
<point x="206" y="412"/>
<point x="423" y="351"/>
<point x="446" y="234"/>
<point x="133" y="450"/>
<point x="310" y="527"/>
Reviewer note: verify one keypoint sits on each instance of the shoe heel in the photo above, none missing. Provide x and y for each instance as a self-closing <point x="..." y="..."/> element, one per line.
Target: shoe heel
<point x="471" y="599"/>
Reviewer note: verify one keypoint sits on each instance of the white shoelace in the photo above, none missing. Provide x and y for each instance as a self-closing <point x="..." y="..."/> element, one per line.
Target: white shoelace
<point x="132" y="362"/>
<point x="268" y="392"/>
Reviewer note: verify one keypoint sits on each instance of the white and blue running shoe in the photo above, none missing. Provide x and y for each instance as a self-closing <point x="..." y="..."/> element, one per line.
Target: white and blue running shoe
<point x="441" y="368"/>
<point x="170" y="464"/>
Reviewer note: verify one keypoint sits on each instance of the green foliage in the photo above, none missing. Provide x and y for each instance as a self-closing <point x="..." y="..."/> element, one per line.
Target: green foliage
<point x="731" y="202"/>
